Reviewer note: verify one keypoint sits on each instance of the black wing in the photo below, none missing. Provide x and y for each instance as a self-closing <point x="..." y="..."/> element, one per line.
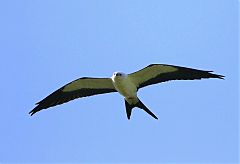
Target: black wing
<point x="157" y="73"/>
<point x="76" y="89"/>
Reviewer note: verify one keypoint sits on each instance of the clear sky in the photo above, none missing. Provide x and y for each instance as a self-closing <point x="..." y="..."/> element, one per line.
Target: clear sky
<point x="46" y="44"/>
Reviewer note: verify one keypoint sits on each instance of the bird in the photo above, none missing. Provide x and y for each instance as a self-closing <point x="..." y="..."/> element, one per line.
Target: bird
<point x="125" y="84"/>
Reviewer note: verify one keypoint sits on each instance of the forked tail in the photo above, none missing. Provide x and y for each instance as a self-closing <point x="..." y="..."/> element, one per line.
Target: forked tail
<point x="140" y="105"/>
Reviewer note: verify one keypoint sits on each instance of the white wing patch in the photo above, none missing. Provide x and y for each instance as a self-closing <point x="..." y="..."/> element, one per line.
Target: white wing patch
<point x="150" y="72"/>
<point x="89" y="83"/>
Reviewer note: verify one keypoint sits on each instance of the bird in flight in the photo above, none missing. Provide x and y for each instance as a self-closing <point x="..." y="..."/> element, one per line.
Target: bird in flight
<point x="126" y="84"/>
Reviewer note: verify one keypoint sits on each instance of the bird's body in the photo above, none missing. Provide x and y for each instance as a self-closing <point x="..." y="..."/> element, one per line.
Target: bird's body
<point x="126" y="84"/>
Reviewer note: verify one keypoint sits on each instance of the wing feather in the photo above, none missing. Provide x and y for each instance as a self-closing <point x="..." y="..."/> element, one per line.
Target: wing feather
<point x="82" y="87"/>
<point x="157" y="73"/>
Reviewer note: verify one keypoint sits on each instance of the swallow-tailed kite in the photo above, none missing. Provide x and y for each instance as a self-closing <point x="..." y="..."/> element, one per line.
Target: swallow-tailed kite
<point x="126" y="84"/>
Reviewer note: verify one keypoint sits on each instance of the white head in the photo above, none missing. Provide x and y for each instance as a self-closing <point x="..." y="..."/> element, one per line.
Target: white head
<point x="118" y="75"/>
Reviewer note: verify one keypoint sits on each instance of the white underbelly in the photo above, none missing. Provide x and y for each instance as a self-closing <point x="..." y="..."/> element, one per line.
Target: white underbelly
<point x="125" y="87"/>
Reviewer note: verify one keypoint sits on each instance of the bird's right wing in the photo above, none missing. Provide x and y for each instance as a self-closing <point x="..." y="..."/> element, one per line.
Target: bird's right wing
<point x="157" y="73"/>
<point x="76" y="89"/>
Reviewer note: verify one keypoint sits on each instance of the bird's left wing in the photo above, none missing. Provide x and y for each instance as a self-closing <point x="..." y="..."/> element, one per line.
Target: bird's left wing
<point x="157" y="73"/>
<point x="76" y="89"/>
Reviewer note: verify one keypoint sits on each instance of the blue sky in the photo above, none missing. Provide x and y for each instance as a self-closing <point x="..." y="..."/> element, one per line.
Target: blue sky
<point x="46" y="44"/>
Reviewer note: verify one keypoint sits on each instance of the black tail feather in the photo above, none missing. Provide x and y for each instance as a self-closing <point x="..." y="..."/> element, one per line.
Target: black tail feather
<point x="140" y="105"/>
<point x="128" y="109"/>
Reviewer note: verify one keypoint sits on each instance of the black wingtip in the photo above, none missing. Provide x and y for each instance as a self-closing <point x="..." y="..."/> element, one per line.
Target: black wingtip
<point x="221" y="77"/>
<point x="32" y="112"/>
<point x="35" y="110"/>
<point x="212" y="75"/>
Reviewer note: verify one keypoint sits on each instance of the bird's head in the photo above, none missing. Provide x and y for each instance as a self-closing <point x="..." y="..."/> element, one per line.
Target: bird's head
<point x="119" y="75"/>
